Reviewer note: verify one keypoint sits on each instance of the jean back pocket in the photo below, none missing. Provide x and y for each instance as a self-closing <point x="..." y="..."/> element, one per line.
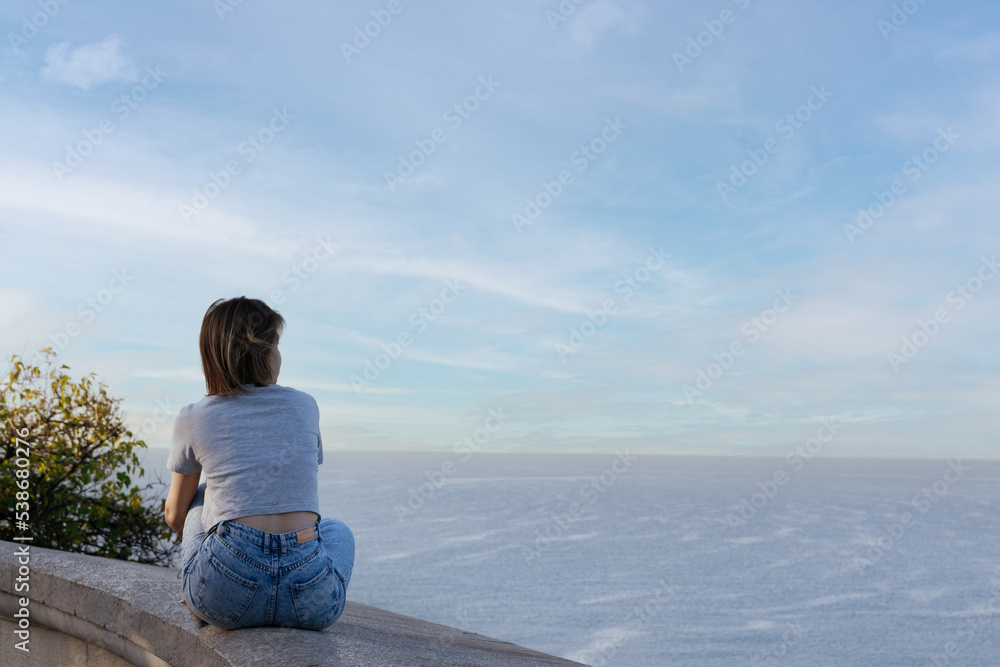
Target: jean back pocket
<point x="222" y="594"/>
<point x="318" y="601"/>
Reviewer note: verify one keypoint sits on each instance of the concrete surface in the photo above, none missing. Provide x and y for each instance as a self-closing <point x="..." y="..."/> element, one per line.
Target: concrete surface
<point x="92" y="611"/>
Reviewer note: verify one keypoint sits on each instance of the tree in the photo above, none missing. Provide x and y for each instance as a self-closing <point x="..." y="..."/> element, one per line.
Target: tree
<point x="80" y="463"/>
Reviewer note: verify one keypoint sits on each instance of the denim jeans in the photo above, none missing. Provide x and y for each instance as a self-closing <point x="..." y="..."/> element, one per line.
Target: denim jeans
<point x="238" y="576"/>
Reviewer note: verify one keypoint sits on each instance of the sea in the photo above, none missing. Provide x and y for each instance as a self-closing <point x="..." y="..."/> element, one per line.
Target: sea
<point x="641" y="560"/>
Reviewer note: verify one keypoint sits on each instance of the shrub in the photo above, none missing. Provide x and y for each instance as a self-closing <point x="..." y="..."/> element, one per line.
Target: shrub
<point x="82" y="459"/>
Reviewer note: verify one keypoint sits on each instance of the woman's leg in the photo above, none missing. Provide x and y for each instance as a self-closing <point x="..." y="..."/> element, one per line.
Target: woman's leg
<point x="338" y="540"/>
<point x="194" y="532"/>
<point x="194" y="535"/>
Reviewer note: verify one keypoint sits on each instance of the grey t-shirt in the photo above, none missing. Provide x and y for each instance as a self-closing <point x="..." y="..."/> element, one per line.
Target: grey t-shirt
<point x="260" y="452"/>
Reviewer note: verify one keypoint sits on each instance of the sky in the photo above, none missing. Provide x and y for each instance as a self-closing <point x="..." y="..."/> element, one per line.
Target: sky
<point x="737" y="227"/>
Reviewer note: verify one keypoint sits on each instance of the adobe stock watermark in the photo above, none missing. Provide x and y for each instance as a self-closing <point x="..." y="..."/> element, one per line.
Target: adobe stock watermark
<point x="970" y="628"/>
<point x="773" y="656"/>
<point x="752" y="329"/>
<point x="927" y="329"/>
<point x="304" y="267"/>
<point x="562" y="13"/>
<point x="381" y="18"/>
<point x="32" y="25"/>
<point x="588" y="494"/>
<point x="636" y="618"/>
<point x="913" y="169"/>
<point x="795" y="459"/>
<point x="900" y="16"/>
<point x="22" y="466"/>
<point x="89" y="309"/>
<point x="420" y="320"/>
<point x="418" y="496"/>
<point x="581" y="158"/>
<point x="121" y="108"/>
<point x="926" y="499"/>
<point x="714" y="28"/>
<point x="286" y="452"/>
<point x="455" y="629"/>
<point x="225" y="7"/>
<point x="596" y="319"/>
<point x="453" y="116"/>
<point x="163" y="411"/>
<point x="786" y="128"/>
<point x="218" y="181"/>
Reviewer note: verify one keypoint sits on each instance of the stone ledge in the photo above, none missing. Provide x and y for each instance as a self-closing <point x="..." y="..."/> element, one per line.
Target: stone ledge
<point x="133" y="611"/>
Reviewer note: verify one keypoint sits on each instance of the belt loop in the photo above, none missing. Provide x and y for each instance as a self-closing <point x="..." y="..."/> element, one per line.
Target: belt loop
<point x="213" y="529"/>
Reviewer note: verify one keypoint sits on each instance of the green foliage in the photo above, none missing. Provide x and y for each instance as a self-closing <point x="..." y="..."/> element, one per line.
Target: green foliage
<point x="81" y="465"/>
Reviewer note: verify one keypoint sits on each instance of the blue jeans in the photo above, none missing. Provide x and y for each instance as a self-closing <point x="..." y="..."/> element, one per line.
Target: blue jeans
<point x="238" y="576"/>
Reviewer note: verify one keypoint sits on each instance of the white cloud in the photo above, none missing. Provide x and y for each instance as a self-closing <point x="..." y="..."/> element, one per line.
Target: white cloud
<point x="89" y="65"/>
<point x="598" y="18"/>
<point x="143" y="212"/>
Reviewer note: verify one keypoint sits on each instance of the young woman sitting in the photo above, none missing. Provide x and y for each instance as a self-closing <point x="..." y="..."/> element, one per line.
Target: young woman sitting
<point x="255" y="551"/>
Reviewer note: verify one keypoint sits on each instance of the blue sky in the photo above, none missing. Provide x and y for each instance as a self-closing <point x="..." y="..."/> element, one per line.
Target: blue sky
<point x="501" y="183"/>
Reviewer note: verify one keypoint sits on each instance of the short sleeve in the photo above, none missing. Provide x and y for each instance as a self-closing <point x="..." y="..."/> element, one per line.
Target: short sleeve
<point x="319" y="434"/>
<point x="182" y="459"/>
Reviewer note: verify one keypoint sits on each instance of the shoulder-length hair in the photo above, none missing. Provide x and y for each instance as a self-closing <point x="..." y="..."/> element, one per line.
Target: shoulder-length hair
<point x="236" y="339"/>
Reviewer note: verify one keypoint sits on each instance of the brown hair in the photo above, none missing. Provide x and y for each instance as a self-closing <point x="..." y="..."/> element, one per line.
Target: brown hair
<point x="237" y="336"/>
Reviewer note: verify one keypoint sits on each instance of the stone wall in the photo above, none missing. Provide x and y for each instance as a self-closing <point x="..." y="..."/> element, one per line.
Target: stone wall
<point x="91" y="611"/>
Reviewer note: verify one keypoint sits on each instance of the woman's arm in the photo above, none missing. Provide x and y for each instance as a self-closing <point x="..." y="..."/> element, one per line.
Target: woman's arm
<point x="182" y="490"/>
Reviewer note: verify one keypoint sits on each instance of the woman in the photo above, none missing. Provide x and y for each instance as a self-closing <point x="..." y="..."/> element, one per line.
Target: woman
<point x="255" y="550"/>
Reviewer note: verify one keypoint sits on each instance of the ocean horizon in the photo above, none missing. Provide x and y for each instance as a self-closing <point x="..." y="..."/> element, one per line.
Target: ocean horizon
<point x="639" y="559"/>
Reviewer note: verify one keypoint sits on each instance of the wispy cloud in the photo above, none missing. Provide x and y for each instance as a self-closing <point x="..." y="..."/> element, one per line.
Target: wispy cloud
<point x="599" y="17"/>
<point x="88" y="65"/>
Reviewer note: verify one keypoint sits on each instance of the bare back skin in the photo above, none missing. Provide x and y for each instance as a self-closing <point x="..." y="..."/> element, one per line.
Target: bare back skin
<point x="285" y="522"/>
